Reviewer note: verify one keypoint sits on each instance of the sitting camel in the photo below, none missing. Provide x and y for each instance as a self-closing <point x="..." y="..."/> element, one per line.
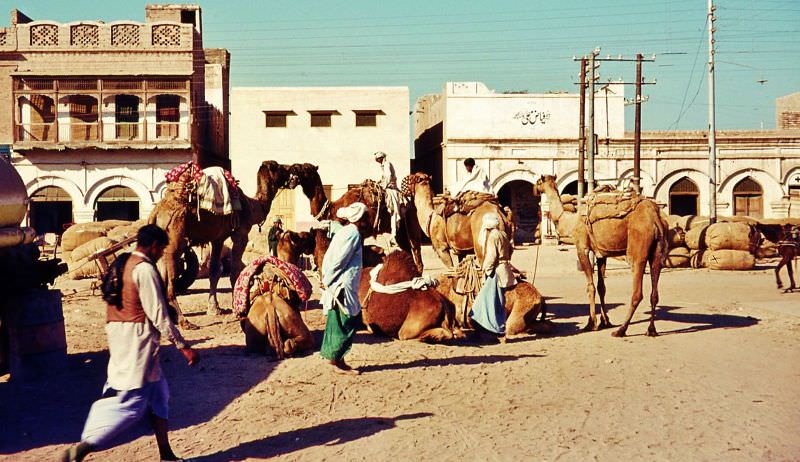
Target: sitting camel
<point x="422" y="314"/>
<point x="523" y="303"/>
<point x="267" y="299"/>
<point x="455" y="234"/>
<point x="639" y="233"/>
<point x="409" y="233"/>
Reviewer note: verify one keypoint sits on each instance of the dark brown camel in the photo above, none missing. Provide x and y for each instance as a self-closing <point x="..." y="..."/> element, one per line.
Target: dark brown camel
<point x="410" y="233"/>
<point x="787" y="237"/>
<point x="424" y="315"/>
<point x="177" y="213"/>
<point x="292" y="245"/>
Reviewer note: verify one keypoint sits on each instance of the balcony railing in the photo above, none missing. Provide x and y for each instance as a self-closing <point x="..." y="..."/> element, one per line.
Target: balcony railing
<point x="142" y="132"/>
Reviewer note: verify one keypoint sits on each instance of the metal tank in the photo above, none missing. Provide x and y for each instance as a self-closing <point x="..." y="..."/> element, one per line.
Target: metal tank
<point x="13" y="206"/>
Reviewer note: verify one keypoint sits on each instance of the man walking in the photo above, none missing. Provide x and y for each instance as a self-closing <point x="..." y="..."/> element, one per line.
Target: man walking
<point x="341" y="268"/>
<point x="135" y="388"/>
<point x="274" y="236"/>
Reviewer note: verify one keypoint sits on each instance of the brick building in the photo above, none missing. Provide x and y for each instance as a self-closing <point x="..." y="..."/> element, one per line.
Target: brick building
<point x="98" y="112"/>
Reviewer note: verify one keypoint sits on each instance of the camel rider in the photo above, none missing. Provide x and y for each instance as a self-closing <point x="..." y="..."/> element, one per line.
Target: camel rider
<point x="341" y="270"/>
<point x="477" y="180"/>
<point x="394" y="198"/>
<point x="489" y="309"/>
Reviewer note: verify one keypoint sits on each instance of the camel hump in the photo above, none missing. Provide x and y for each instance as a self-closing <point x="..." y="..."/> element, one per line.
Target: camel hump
<point x="465" y="204"/>
<point x="398" y="266"/>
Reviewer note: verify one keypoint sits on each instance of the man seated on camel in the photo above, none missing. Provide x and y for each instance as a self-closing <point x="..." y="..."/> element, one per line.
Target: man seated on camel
<point x="341" y="271"/>
<point x="477" y="181"/>
<point x="395" y="201"/>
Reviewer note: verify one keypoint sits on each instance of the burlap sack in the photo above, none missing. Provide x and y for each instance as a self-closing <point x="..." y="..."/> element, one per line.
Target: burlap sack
<point x="89" y="248"/>
<point x="83" y="269"/>
<point x="674" y="221"/>
<point x="694" y="236"/>
<point x="728" y="260"/>
<point x="81" y="233"/>
<point x="568" y="199"/>
<point x="120" y="233"/>
<point x="679" y="257"/>
<point x="692" y="221"/>
<point x="676" y="237"/>
<point x="729" y="236"/>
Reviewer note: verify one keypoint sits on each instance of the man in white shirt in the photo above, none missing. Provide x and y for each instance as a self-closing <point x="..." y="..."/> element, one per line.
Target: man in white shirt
<point x="394" y="198"/>
<point x="477" y="180"/>
<point x="135" y="388"/>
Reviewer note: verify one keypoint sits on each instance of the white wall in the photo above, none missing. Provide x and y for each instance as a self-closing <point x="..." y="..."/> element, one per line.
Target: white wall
<point x="343" y="151"/>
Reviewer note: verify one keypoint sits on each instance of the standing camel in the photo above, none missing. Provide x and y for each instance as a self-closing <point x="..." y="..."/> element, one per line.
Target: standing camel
<point x="456" y="234"/>
<point x="177" y="213"/>
<point x="639" y="235"/>
<point x="409" y="233"/>
<point x="787" y="236"/>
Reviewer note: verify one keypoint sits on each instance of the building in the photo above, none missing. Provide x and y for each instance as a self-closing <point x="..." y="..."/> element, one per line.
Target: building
<point x="518" y="137"/>
<point x="335" y="128"/>
<point x="99" y="112"/>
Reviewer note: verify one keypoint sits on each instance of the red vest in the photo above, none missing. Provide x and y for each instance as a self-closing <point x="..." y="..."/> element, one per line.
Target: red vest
<point x="131" y="310"/>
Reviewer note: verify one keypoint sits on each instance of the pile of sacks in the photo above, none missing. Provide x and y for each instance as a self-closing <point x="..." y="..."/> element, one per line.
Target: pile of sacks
<point x="695" y="243"/>
<point x="569" y="202"/>
<point x="82" y="240"/>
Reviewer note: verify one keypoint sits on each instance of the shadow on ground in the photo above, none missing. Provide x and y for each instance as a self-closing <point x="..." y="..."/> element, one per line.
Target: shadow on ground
<point x="699" y="322"/>
<point x="53" y="411"/>
<point x="456" y="361"/>
<point x="327" y="434"/>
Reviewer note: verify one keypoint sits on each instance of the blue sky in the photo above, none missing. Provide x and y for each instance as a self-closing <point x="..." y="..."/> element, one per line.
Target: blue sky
<point x="508" y="45"/>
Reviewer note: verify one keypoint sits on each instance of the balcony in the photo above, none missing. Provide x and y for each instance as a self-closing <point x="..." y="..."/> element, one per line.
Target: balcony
<point x="42" y="135"/>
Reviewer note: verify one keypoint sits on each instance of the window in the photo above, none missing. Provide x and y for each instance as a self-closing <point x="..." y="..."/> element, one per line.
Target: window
<point x="367" y="118"/>
<point x="126" y="116"/>
<point x="168" y="116"/>
<point x="684" y="197"/>
<point x="277" y="118"/>
<point x="748" y="198"/>
<point x="83" y="117"/>
<point x="322" y="118"/>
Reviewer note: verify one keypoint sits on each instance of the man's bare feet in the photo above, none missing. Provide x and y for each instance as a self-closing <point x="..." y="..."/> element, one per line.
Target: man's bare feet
<point x="340" y="367"/>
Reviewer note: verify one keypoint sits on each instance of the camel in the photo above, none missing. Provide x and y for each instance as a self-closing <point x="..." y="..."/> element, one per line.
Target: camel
<point x="523" y="305"/>
<point x="456" y="234"/>
<point x="270" y="320"/>
<point x="424" y="315"/>
<point x="322" y="208"/>
<point x="178" y="215"/>
<point x="787" y="237"/>
<point x="641" y="236"/>
<point x="292" y="245"/>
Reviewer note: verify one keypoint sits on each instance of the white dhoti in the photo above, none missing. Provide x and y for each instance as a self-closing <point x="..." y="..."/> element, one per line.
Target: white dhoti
<point x="120" y="410"/>
<point x="395" y="203"/>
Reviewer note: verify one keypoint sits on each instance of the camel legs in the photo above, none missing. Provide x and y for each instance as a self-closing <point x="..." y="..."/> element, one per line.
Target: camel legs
<point x="637" y="271"/>
<point x="239" y="238"/>
<point x="214" y="272"/>
<point x="586" y="266"/>
<point x="787" y="256"/>
<point x="601" y="291"/>
<point x="171" y="254"/>
<point x="656" y="262"/>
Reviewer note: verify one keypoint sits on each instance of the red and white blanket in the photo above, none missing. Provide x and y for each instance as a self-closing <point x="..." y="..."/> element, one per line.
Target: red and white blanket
<point x="292" y="274"/>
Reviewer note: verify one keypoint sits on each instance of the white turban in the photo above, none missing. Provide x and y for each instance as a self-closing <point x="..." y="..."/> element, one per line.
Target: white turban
<point x="352" y="212"/>
<point x="380" y="155"/>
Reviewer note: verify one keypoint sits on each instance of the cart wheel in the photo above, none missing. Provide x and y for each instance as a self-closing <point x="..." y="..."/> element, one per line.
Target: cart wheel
<point x="187" y="271"/>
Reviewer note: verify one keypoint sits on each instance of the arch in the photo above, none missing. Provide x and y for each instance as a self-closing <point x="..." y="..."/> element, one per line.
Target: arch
<point x="144" y="194"/>
<point x="167" y="115"/>
<point x="564" y="179"/>
<point x="684" y="197"/>
<point x="748" y="198"/>
<point x="36" y="115"/>
<point x="787" y="179"/>
<point x="661" y="192"/>
<point x="516" y="193"/>
<point x="570" y="188"/>
<point x="764" y="178"/>
<point x="646" y="181"/>
<point x="50" y="210"/>
<point x="71" y="188"/>
<point x="82" y="116"/>
<point x="512" y="175"/>
<point x="117" y="203"/>
<point x="772" y="190"/>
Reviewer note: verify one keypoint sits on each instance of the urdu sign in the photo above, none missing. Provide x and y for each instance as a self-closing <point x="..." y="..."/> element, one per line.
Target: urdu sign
<point x="532" y="117"/>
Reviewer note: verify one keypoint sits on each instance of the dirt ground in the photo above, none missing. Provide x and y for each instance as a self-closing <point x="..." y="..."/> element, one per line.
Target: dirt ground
<point x="721" y="382"/>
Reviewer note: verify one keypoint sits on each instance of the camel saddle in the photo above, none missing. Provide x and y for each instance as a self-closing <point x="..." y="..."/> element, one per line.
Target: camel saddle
<point x="605" y="204"/>
<point x="468" y="282"/>
<point x="465" y="203"/>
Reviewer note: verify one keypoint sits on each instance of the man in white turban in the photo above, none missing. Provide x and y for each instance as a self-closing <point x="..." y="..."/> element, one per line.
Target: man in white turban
<point x="341" y="268"/>
<point x="489" y="309"/>
<point x="395" y="201"/>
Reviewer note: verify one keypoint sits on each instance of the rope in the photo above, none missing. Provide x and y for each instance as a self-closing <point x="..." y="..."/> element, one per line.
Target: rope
<point x="536" y="264"/>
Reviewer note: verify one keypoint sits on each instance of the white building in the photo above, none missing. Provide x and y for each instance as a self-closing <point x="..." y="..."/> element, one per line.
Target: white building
<point x="518" y="137"/>
<point x="335" y="128"/>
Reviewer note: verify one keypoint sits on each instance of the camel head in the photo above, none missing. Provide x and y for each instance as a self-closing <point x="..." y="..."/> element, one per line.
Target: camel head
<point x="308" y="177"/>
<point x="271" y="177"/>
<point x="411" y="182"/>
<point x="539" y="187"/>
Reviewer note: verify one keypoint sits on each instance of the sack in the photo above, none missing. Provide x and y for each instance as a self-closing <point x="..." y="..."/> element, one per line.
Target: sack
<point x="731" y="236"/>
<point x="111" y="285"/>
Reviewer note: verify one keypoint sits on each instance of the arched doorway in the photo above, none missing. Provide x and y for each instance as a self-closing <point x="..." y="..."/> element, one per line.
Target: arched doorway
<point x="117" y="203"/>
<point x="518" y="194"/>
<point x="683" y="197"/>
<point x="50" y="210"/>
<point x="571" y="188"/>
<point x="748" y="198"/>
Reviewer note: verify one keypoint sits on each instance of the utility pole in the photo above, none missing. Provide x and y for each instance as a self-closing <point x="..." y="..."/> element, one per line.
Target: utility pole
<point x="637" y="137"/>
<point x="582" y="134"/>
<point x="712" y="130"/>
<point x="590" y="128"/>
